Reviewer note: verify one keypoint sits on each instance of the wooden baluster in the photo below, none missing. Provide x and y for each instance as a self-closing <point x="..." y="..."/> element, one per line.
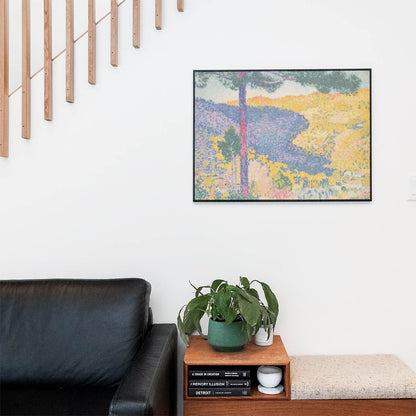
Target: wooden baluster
<point x="180" y="5"/>
<point x="114" y="33"/>
<point x="69" y="51"/>
<point x="47" y="55"/>
<point x="26" y="80"/>
<point x="158" y="14"/>
<point x="91" y="42"/>
<point x="136" y="23"/>
<point x="4" y="78"/>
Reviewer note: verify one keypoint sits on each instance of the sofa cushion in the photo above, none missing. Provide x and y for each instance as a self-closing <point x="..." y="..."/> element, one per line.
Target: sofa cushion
<point x="70" y="332"/>
<point x="351" y="377"/>
<point x="53" y="401"/>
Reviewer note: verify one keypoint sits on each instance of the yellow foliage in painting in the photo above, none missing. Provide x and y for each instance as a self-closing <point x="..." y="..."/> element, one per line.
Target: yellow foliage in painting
<point x="215" y="140"/>
<point x="208" y="181"/>
<point x="251" y="154"/>
<point x="219" y="157"/>
<point x="339" y="126"/>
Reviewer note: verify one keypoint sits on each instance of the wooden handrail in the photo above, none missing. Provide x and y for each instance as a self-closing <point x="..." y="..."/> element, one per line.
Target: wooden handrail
<point x="47" y="58"/>
<point x="26" y="80"/>
<point x="69" y="51"/>
<point x="92" y="41"/>
<point x="114" y="33"/>
<point x="136" y="23"/>
<point x="4" y="78"/>
<point x="158" y="14"/>
<point x="180" y="5"/>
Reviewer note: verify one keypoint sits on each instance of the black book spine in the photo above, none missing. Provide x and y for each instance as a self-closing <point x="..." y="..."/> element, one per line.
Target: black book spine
<point x="219" y="373"/>
<point x="219" y="391"/>
<point x="219" y="383"/>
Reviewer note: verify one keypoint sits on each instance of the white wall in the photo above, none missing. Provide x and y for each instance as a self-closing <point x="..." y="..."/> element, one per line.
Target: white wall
<point x="106" y="188"/>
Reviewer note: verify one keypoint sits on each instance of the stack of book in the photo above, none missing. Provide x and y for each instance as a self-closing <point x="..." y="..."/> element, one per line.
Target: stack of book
<point x="218" y="382"/>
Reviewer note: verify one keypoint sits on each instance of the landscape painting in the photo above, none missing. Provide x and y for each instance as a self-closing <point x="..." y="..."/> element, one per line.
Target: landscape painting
<point x="282" y="135"/>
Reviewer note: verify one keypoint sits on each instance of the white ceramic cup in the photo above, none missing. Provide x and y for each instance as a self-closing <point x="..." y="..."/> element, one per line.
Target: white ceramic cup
<point x="262" y="337"/>
<point x="269" y="375"/>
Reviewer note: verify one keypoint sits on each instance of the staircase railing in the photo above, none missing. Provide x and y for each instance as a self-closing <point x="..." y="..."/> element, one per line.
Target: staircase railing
<point x="48" y="58"/>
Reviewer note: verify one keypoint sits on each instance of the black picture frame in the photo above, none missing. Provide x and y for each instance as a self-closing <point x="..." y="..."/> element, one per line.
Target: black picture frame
<point x="299" y="73"/>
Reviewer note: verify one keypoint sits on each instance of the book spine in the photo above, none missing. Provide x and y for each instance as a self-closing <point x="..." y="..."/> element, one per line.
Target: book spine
<point x="219" y="391"/>
<point x="219" y="373"/>
<point x="219" y="383"/>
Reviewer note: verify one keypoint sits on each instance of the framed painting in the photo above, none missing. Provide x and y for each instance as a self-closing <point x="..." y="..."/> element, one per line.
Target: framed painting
<point x="282" y="135"/>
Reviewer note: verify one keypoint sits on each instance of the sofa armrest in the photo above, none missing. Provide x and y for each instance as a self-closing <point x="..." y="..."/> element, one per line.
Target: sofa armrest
<point x="149" y="386"/>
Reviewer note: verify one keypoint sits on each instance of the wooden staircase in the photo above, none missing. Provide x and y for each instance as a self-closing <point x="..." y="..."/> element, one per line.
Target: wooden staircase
<point x="47" y="69"/>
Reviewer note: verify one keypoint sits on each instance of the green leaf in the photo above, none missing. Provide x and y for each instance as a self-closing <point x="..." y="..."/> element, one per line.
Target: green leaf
<point x="258" y="325"/>
<point x="181" y="327"/>
<point x="245" y="283"/>
<point x="198" y="303"/>
<point x="271" y="299"/>
<point x="241" y="292"/>
<point x="249" y="330"/>
<point x="199" y="290"/>
<point x="254" y="293"/>
<point x="246" y="295"/>
<point x="216" y="284"/>
<point x="230" y="317"/>
<point x="193" y="314"/>
<point x="222" y="307"/>
<point x="191" y="322"/>
<point x="265" y="317"/>
<point x="222" y="302"/>
<point x="250" y="311"/>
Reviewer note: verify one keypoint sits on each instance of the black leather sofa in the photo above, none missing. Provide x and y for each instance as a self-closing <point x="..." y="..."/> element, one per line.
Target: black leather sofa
<point x="84" y="347"/>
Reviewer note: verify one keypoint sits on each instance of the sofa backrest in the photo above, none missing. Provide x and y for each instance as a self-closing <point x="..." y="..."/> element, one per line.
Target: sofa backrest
<point x="70" y="331"/>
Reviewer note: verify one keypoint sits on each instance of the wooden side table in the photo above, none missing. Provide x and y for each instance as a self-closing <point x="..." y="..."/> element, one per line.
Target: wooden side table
<point x="201" y="354"/>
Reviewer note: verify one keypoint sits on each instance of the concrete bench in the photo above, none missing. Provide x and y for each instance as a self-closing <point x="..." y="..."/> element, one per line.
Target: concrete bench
<point x="352" y="385"/>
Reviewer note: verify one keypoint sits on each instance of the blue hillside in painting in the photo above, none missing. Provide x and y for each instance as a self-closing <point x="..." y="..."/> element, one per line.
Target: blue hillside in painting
<point x="270" y="131"/>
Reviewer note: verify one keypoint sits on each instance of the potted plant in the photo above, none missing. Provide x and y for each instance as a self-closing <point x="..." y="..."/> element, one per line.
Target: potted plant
<point x="235" y="312"/>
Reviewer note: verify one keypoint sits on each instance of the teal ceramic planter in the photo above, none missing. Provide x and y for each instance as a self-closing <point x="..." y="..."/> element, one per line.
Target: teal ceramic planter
<point x="227" y="338"/>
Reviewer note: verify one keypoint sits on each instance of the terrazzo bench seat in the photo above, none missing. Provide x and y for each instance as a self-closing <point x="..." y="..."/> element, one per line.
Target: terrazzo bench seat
<point x="351" y="385"/>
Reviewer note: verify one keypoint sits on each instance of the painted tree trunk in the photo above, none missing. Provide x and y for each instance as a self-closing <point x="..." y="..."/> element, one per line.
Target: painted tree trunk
<point x="243" y="139"/>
